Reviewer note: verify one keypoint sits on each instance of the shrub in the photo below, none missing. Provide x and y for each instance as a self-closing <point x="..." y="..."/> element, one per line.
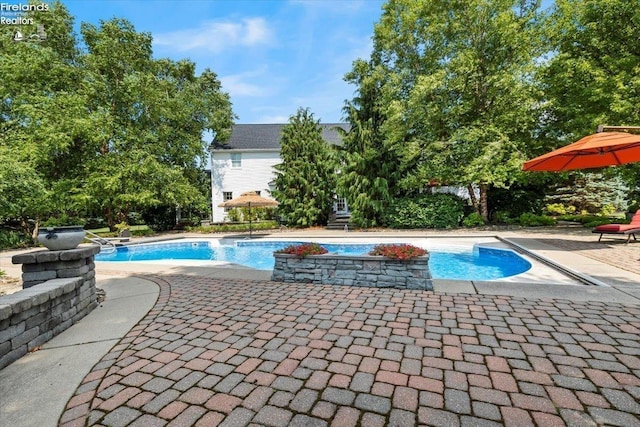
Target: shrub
<point x="474" y="219"/>
<point x="427" y="211"/>
<point x="591" y="220"/>
<point x="160" y="218"/>
<point x="532" y="220"/>
<point x="607" y="210"/>
<point x="503" y="217"/>
<point x="555" y="209"/>
<point x="518" y="198"/>
<point x="303" y="249"/>
<point x="141" y="232"/>
<point x="234" y="215"/>
<point x="120" y="227"/>
<point x="401" y="251"/>
<point x="217" y="228"/>
<point x="93" y="223"/>
<point x="13" y="240"/>
<point x="62" y="221"/>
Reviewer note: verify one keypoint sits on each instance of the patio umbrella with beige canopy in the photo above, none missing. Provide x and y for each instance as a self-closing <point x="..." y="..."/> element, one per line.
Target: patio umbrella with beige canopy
<point x="249" y="199"/>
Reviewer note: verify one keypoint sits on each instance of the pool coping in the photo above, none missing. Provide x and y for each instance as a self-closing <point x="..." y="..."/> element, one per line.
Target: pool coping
<point x="578" y="279"/>
<point x="584" y="278"/>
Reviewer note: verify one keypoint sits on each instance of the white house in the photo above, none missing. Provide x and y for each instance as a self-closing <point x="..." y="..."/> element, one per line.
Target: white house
<point x="245" y="163"/>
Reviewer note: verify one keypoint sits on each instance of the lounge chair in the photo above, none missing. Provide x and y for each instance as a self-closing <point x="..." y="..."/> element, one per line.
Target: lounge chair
<point x="629" y="230"/>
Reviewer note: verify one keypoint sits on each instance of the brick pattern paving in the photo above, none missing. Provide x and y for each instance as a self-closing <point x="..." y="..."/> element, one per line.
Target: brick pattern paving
<point x="238" y="353"/>
<point x="610" y="251"/>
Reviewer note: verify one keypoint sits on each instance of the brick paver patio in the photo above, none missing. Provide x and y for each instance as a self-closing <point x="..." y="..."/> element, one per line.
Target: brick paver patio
<point x="235" y="353"/>
<point x="611" y="251"/>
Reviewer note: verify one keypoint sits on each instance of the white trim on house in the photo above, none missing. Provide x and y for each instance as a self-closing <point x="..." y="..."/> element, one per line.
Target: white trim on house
<point x="254" y="175"/>
<point x="259" y="149"/>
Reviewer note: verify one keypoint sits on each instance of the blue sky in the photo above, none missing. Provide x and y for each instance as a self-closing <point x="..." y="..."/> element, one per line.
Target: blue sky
<point x="272" y="56"/>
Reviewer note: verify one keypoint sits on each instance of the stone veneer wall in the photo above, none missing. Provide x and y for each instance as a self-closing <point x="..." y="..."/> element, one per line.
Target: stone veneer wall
<point x="361" y="270"/>
<point x="59" y="289"/>
<point x="40" y="266"/>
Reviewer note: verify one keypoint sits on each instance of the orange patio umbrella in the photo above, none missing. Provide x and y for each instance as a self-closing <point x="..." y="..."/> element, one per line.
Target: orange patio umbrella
<point x="593" y="151"/>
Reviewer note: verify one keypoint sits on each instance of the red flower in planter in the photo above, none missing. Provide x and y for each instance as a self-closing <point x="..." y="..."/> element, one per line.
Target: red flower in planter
<point x="303" y="250"/>
<point x="400" y="251"/>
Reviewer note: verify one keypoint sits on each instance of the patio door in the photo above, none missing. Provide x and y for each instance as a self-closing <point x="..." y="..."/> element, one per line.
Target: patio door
<point x="340" y="206"/>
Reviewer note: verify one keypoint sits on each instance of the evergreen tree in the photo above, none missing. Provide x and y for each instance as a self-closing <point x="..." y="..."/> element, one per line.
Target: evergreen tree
<point x="589" y="191"/>
<point x="305" y="181"/>
<point x="368" y="165"/>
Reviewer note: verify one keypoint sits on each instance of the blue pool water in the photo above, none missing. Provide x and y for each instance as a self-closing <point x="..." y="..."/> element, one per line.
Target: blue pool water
<point x="445" y="263"/>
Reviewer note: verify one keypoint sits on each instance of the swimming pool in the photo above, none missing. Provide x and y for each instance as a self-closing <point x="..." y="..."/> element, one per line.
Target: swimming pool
<point x="445" y="262"/>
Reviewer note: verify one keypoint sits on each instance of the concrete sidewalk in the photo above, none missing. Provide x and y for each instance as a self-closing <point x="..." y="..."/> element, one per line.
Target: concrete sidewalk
<point x="35" y="389"/>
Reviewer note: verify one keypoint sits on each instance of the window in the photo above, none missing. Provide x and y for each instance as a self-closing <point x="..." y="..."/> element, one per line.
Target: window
<point x="236" y="160"/>
<point x="227" y="195"/>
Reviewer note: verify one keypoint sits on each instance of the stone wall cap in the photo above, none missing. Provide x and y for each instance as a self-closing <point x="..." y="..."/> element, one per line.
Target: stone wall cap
<point x="29" y="257"/>
<point x="19" y="301"/>
<point x="45" y="255"/>
<point x="5" y="311"/>
<point x="79" y="253"/>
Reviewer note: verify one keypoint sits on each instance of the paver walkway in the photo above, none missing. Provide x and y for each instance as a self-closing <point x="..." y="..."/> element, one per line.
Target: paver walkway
<point x="233" y="352"/>
<point x="612" y="251"/>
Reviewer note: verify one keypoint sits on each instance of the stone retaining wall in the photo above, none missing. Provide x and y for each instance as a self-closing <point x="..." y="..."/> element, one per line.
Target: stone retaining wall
<point x="59" y="289"/>
<point x="42" y="265"/>
<point x="361" y="270"/>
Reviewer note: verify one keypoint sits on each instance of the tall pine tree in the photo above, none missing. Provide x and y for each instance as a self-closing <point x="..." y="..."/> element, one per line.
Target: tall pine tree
<point x="369" y="168"/>
<point x="305" y="179"/>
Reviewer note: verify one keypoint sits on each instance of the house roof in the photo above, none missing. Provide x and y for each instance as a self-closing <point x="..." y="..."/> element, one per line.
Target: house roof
<point x="267" y="136"/>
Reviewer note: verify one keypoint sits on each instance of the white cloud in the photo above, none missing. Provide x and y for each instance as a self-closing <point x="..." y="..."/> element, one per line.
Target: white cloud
<point x="235" y="85"/>
<point x="216" y="36"/>
<point x="255" y="83"/>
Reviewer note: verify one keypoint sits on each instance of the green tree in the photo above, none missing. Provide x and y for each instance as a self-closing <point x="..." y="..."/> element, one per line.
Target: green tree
<point x="589" y="191"/>
<point x="594" y="76"/>
<point x="368" y="167"/>
<point x="106" y="129"/>
<point x="305" y="180"/>
<point x="148" y="145"/>
<point x="43" y="115"/>
<point x="459" y="93"/>
<point x="21" y="192"/>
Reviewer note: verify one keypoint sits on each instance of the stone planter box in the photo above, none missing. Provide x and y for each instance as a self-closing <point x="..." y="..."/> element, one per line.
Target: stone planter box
<point x="360" y="270"/>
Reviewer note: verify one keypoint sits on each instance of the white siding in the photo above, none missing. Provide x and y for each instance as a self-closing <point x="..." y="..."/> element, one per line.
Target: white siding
<point x="462" y="192"/>
<point x="254" y="175"/>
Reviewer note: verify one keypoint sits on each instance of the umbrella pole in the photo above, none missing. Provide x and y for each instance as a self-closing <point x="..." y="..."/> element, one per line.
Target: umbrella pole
<point x="249" y="221"/>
